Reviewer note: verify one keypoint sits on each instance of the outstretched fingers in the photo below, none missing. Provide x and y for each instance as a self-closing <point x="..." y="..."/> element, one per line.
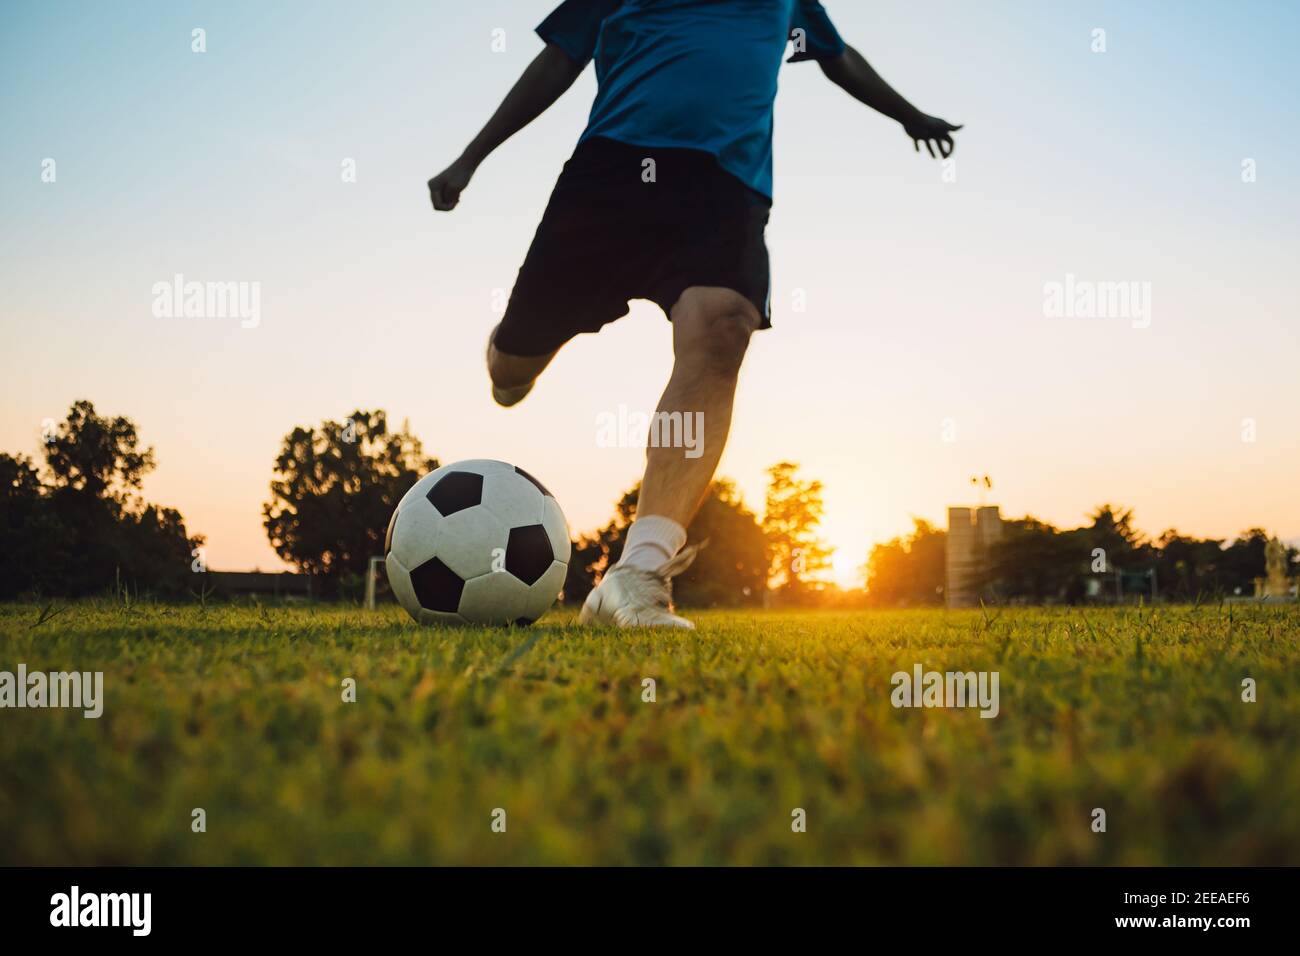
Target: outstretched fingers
<point x="938" y="144"/>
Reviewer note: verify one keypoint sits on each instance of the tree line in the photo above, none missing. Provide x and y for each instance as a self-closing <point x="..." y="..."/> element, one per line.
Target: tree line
<point x="1037" y="563"/>
<point x="78" y="525"/>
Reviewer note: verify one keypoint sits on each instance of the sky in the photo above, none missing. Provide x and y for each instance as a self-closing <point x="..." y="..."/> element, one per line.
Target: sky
<point x="914" y="341"/>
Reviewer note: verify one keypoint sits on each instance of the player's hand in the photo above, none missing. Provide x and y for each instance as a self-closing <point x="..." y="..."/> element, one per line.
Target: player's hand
<point x="446" y="187"/>
<point x="933" y="132"/>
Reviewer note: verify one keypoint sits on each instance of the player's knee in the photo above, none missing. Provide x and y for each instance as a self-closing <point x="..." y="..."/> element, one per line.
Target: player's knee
<point x="716" y="337"/>
<point x="725" y="338"/>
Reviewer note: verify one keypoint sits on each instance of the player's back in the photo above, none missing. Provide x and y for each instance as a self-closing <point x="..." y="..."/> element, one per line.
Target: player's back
<point x="699" y="74"/>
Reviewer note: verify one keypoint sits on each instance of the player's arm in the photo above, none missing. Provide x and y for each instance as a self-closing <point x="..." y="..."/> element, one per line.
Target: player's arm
<point x="852" y="73"/>
<point x="542" y="83"/>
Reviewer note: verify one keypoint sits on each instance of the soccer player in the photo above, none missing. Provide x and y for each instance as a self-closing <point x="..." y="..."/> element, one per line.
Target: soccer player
<point x="688" y="85"/>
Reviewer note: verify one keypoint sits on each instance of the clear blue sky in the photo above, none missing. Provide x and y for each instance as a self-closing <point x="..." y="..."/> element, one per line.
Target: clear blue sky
<point x="924" y="297"/>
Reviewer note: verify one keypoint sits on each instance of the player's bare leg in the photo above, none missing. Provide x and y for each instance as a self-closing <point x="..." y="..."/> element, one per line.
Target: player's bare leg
<point x="513" y="376"/>
<point x="711" y="330"/>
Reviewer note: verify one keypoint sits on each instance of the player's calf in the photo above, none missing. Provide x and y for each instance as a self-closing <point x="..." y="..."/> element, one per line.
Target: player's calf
<point x="513" y="376"/>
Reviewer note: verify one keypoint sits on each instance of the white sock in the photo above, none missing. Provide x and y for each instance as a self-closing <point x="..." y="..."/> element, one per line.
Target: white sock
<point x="652" y="542"/>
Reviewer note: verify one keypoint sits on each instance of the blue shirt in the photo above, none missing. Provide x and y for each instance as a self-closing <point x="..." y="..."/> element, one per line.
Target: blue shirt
<point x="699" y="74"/>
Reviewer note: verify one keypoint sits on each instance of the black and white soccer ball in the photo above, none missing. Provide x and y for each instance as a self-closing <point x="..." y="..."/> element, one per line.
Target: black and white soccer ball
<point x="477" y="542"/>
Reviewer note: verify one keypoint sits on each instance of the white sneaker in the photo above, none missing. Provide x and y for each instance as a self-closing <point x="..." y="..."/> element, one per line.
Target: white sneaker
<point x="635" y="597"/>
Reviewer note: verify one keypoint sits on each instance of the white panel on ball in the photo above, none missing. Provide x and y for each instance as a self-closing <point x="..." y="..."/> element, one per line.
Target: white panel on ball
<point x="557" y="529"/>
<point x="496" y="598"/>
<point x="421" y="488"/>
<point x="400" y="581"/>
<point x="416" y="532"/>
<point x="441" y="618"/>
<point x="482" y="466"/>
<point x="512" y="498"/>
<point x="470" y="541"/>
<point x="544" y="591"/>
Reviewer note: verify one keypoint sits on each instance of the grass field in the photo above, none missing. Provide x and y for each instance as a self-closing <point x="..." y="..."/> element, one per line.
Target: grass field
<point x="239" y="711"/>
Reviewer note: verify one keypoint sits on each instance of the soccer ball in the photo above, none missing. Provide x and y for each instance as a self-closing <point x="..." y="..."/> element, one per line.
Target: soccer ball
<point x="477" y="542"/>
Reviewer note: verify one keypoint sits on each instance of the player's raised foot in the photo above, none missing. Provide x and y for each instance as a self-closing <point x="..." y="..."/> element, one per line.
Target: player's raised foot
<point x="635" y="597"/>
<point x="505" y="397"/>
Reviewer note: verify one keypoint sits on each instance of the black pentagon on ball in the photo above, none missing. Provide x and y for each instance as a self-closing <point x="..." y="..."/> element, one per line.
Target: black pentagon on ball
<point x="528" y="553"/>
<point x="456" y="491"/>
<point x="540" y="487"/>
<point x="388" y="535"/>
<point x="437" y="587"/>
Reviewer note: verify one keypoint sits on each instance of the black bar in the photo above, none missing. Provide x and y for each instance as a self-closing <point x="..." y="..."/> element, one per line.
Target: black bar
<point x="975" y="905"/>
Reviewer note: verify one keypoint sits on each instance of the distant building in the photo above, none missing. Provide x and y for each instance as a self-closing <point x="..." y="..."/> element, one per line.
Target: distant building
<point x="972" y="533"/>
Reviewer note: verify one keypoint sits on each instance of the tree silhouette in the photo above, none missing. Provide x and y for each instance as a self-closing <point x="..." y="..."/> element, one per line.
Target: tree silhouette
<point x="98" y="456"/>
<point x="89" y="528"/>
<point x="1036" y="561"/>
<point x="33" y="542"/>
<point x="1244" y="560"/>
<point x="1112" y="529"/>
<point x="908" y="571"/>
<point x="794" y="509"/>
<point x="334" y="490"/>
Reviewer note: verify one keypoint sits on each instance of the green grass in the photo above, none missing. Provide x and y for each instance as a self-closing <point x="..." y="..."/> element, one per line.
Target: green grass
<point x="238" y="710"/>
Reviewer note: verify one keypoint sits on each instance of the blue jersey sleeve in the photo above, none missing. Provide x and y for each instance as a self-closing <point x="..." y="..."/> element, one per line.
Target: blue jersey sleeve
<point x="812" y="33"/>
<point x="574" y="26"/>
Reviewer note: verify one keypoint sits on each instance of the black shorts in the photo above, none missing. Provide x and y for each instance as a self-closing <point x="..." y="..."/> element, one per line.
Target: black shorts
<point x="608" y="236"/>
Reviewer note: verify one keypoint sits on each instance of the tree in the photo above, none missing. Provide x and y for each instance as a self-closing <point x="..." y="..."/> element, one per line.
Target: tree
<point x="793" y="512"/>
<point x="1243" y="561"/>
<point x="97" y="456"/>
<point x="32" y="540"/>
<point x="1112" y="530"/>
<point x="1036" y="562"/>
<point x="334" y="490"/>
<point x="730" y="571"/>
<point x="908" y="571"/>
<point x="1189" y="568"/>
<point x="89" y="528"/>
<point x="594" y="554"/>
<point x="157" y="549"/>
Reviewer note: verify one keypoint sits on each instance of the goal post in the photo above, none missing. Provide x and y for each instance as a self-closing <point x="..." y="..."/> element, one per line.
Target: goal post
<point x="372" y="581"/>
